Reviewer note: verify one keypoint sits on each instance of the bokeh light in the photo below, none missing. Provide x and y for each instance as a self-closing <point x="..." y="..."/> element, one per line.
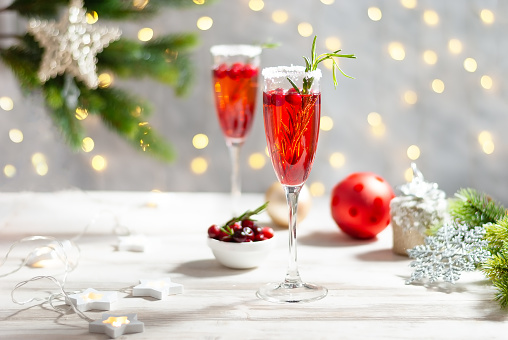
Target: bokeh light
<point x="140" y="4"/>
<point x="438" y="86"/>
<point x="470" y="65"/>
<point x="81" y="113"/>
<point x="413" y="152"/>
<point x="280" y="16"/>
<point x="256" y="5"/>
<point x="15" y="135"/>
<point x="204" y="23"/>
<point x="9" y="170"/>
<point x="337" y="160"/>
<point x="326" y="123"/>
<point x="486" y="82"/>
<point x="145" y="34"/>
<point x="374" y="13"/>
<point x="99" y="163"/>
<point x="317" y="189"/>
<point x="6" y="103"/>
<point x="105" y="80"/>
<point x="430" y="17"/>
<point x="408" y="175"/>
<point x="199" y="165"/>
<point x="333" y="43"/>
<point x="410" y="4"/>
<point x="200" y="141"/>
<point x="39" y="163"/>
<point x="374" y="119"/>
<point x="396" y="51"/>
<point x="257" y="160"/>
<point x="92" y="17"/>
<point x="487" y="16"/>
<point x="87" y="144"/>
<point x="430" y="57"/>
<point x="410" y="97"/>
<point x="327" y="2"/>
<point x="305" y="29"/>
<point x="455" y="46"/>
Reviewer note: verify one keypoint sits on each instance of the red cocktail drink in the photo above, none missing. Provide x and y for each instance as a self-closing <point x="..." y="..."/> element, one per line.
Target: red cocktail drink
<point x="292" y="130"/>
<point x="235" y="89"/>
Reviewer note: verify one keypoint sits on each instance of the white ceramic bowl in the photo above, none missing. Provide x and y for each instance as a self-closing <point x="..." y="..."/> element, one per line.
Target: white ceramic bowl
<point x="241" y="255"/>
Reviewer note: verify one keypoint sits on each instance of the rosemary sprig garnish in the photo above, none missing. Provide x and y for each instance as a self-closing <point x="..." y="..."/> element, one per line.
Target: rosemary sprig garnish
<point x="312" y="64"/>
<point x="245" y="216"/>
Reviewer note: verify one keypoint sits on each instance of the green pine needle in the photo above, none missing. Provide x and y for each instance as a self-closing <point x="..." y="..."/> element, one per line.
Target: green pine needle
<point x="476" y="209"/>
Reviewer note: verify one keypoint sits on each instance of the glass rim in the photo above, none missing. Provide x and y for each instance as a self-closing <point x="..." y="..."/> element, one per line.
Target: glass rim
<point x="286" y="71"/>
<point x="236" y="50"/>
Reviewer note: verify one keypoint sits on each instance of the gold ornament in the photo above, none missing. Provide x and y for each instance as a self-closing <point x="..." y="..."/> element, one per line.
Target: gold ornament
<point x="71" y="45"/>
<point x="278" y="209"/>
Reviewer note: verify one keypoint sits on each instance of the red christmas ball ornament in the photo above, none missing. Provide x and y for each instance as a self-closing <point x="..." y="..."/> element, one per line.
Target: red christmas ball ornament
<point x="360" y="204"/>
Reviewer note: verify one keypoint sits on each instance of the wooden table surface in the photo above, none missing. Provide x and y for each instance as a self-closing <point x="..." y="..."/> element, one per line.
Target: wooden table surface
<point x="367" y="297"/>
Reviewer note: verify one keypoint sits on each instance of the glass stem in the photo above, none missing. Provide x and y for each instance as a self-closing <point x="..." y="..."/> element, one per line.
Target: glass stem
<point x="292" y="276"/>
<point x="236" y="183"/>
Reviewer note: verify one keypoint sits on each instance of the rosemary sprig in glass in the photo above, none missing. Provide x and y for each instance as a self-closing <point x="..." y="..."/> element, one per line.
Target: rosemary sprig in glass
<point x="312" y="64"/>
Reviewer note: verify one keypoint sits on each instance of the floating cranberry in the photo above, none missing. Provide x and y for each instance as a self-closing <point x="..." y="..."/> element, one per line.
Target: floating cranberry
<point x="293" y="97"/>
<point x="277" y="97"/>
<point x="221" y="71"/>
<point x="235" y="71"/>
<point x="249" y="71"/>
<point x="267" y="99"/>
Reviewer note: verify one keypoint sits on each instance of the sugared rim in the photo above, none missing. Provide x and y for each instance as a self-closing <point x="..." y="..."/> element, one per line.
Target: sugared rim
<point x="233" y="50"/>
<point x="285" y="71"/>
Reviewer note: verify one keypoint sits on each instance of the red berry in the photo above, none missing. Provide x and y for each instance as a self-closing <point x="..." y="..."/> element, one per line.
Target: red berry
<point x="293" y="97"/>
<point x="243" y="235"/>
<point x="236" y="226"/>
<point x="267" y="99"/>
<point x="221" y="71"/>
<point x="259" y="237"/>
<point x="277" y="97"/>
<point x="249" y="71"/>
<point x="257" y="229"/>
<point x="248" y="223"/>
<point x="235" y="71"/>
<point x="214" y="231"/>
<point x="267" y="232"/>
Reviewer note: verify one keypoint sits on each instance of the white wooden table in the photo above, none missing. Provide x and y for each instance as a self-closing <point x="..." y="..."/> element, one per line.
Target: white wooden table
<point x="367" y="296"/>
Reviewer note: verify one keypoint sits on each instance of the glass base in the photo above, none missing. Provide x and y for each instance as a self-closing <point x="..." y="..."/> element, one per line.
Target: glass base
<point x="291" y="292"/>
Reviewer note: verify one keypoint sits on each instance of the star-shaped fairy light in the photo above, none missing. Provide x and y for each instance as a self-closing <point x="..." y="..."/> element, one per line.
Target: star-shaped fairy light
<point x="71" y="45"/>
<point x="157" y="288"/>
<point x="117" y="325"/>
<point x="93" y="299"/>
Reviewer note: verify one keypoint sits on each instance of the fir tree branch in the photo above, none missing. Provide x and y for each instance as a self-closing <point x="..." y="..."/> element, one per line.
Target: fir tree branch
<point x="476" y="209"/>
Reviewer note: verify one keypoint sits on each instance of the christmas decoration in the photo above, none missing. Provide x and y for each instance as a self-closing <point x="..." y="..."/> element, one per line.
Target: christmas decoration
<point x="62" y="59"/>
<point x="116" y="325"/>
<point x="421" y="206"/>
<point x="455" y="248"/>
<point x="157" y="288"/>
<point x="360" y="204"/>
<point x="278" y="207"/>
<point x="71" y="45"/>
<point x="93" y="299"/>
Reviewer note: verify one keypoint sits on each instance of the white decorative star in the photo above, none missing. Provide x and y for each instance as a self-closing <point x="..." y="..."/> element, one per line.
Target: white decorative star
<point x="71" y="45"/>
<point x="157" y="288"/>
<point x="116" y="325"/>
<point x="93" y="299"/>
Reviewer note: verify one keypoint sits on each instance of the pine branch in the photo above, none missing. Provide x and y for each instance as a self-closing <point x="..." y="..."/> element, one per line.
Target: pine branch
<point x="23" y="59"/>
<point x="476" y="209"/>
<point x="165" y="60"/>
<point x="107" y="9"/>
<point x="126" y="115"/>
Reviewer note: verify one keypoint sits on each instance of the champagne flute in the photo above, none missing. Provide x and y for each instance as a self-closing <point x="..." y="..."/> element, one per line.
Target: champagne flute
<point x="291" y="118"/>
<point x="235" y="83"/>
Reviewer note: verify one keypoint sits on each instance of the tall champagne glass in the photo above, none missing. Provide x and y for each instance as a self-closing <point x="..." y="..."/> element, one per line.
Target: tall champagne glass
<point x="291" y="120"/>
<point x="235" y="82"/>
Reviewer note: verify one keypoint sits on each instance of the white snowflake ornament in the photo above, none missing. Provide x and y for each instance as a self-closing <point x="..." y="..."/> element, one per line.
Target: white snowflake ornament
<point x="455" y="248"/>
<point x="71" y="45"/>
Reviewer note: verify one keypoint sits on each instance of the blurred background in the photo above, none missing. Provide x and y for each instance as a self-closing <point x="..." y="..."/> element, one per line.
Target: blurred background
<point x="428" y="89"/>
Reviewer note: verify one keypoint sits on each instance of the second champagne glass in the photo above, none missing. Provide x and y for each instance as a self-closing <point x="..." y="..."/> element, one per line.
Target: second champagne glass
<point x="291" y="110"/>
<point x="235" y="84"/>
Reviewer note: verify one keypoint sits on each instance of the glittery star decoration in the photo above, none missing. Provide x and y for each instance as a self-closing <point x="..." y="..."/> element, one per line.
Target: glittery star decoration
<point x="93" y="299"/>
<point x="71" y="45"/>
<point x="157" y="288"/>
<point x="116" y="325"/>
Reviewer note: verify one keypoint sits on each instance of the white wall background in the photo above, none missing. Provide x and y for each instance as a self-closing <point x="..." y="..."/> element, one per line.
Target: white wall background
<point x="445" y="126"/>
